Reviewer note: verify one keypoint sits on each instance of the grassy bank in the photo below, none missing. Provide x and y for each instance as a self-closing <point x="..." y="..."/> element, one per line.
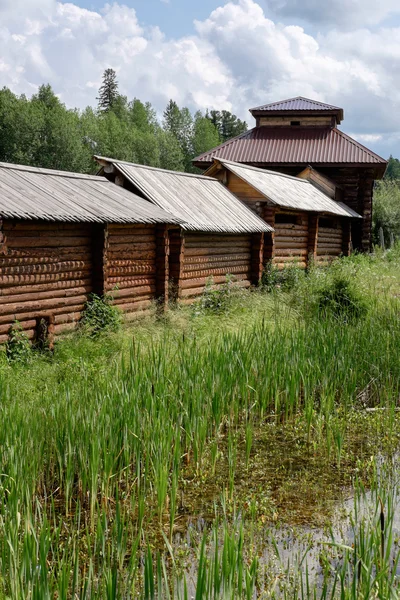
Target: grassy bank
<point x="252" y="404"/>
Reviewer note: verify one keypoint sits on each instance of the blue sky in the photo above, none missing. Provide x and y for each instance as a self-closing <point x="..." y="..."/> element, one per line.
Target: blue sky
<point x="222" y="54"/>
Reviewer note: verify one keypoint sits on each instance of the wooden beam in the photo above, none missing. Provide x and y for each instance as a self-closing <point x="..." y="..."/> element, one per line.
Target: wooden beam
<point x="346" y="240"/>
<point x="312" y="244"/>
<point x="269" y="238"/>
<point x="162" y="266"/>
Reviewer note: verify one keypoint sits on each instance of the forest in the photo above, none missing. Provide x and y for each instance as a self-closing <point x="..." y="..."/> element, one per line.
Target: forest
<point x="43" y="132"/>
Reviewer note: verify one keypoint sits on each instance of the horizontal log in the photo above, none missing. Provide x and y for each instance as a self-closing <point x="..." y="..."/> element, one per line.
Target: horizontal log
<point x="64" y="328"/>
<point x="291" y="245"/>
<point x="285" y="252"/>
<point x="51" y="232"/>
<point x="128" y="282"/>
<point x="133" y="292"/>
<point x="70" y="317"/>
<point x="44" y="287"/>
<point x="6" y="280"/>
<point x="225" y="239"/>
<point x="133" y="247"/>
<point x="45" y="242"/>
<point x="130" y="239"/>
<point x="220" y="258"/>
<point x="40" y="305"/>
<point x="282" y="242"/>
<point x="291" y="226"/>
<point x="29" y="259"/>
<point x="294" y="233"/>
<point x="199" y="281"/>
<point x="188" y="267"/>
<point x="131" y="255"/>
<point x="123" y="272"/>
<point x="282" y="265"/>
<point x="56" y="293"/>
<point x="140" y="227"/>
<point x="60" y="267"/>
<point x="139" y="314"/>
<point x="228" y="269"/>
<point x="30" y="324"/>
<point x="136" y="306"/>
<point x="189" y="252"/>
<point x="24" y="316"/>
<point x="220" y="245"/>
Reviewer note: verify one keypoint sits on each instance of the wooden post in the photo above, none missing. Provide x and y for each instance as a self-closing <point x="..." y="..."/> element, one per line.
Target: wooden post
<point x="346" y="243"/>
<point x="100" y="259"/>
<point x="176" y="261"/>
<point x="257" y="258"/>
<point x="313" y="223"/>
<point x="162" y="266"/>
<point x="3" y="248"/>
<point x="269" y="238"/>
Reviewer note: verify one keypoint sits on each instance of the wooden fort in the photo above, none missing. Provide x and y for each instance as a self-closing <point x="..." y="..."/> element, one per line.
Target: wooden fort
<point x="218" y="234"/>
<point x="310" y="222"/>
<point x="294" y="134"/>
<point x="66" y="235"/>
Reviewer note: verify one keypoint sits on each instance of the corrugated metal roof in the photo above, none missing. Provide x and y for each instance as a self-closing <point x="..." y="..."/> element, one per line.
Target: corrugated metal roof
<point x="293" y="145"/>
<point x="298" y="103"/>
<point x="31" y="193"/>
<point x="288" y="192"/>
<point x="202" y="203"/>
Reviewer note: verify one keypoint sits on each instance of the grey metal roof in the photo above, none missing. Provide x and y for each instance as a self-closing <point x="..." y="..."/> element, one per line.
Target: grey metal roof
<point x="32" y="193"/>
<point x="295" y="104"/>
<point x="201" y="203"/>
<point x="288" y="192"/>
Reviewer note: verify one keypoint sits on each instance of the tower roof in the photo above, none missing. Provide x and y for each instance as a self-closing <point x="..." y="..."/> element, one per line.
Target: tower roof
<point x="298" y="105"/>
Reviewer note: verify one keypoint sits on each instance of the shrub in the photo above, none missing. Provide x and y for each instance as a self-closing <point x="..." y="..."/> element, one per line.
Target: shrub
<point x="218" y="299"/>
<point x="18" y="348"/>
<point x="340" y="299"/>
<point x="285" y="279"/>
<point x="100" y="315"/>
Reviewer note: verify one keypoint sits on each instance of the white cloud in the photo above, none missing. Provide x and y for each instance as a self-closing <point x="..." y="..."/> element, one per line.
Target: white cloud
<point x="239" y="57"/>
<point x="348" y="13"/>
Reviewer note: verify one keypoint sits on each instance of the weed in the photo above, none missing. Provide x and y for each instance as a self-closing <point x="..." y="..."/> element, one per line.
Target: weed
<point x="216" y="299"/>
<point x="285" y="278"/>
<point x="340" y="299"/>
<point x="100" y="315"/>
<point x="18" y="347"/>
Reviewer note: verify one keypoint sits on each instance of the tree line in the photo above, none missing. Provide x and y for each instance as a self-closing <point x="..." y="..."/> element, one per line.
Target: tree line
<point x="40" y="131"/>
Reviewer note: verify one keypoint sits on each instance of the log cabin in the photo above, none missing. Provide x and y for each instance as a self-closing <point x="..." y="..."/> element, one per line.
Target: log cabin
<point x="66" y="235"/>
<point x="310" y="222"/>
<point x="291" y="135"/>
<point x="218" y="236"/>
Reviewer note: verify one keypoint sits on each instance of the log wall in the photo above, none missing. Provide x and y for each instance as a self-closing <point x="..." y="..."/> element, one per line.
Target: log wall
<point x="130" y="274"/>
<point x="330" y="240"/>
<point x="291" y="240"/>
<point x="204" y="256"/>
<point x="45" y="270"/>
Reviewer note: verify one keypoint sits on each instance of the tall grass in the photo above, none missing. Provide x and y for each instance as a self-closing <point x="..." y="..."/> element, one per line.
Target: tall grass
<point x="107" y="444"/>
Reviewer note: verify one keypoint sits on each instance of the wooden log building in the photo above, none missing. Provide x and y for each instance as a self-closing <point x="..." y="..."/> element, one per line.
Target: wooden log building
<point x="309" y="221"/>
<point x="218" y="234"/>
<point x="65" y="235"/>
<point x="293" y="134"/>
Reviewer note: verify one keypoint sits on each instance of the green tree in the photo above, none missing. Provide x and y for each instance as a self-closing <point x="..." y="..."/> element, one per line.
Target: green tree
<point x="179" y="123"/>
<point x="170" y="153"/>
<point x="227" y="124"/>
<point x="205" y="134"/>
<point x="108" y="91"/>
<point x="386" y="209"/>
<point x="393" y="168"/>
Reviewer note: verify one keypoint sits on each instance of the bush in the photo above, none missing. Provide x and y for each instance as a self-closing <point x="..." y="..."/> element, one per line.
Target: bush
<point x="216" y="300"/>
<point x="341" y="300"/>
<point x="18" y="348"/>
<point x="285" y="279"/>
<point x="100" y="315"/>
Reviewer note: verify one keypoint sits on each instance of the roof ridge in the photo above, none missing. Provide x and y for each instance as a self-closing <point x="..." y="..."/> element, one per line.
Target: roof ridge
<point x="287" y="100"/>
<point x="45" y="171"/>
<point x="151" y="168"/>
<point x="259" y="170"/>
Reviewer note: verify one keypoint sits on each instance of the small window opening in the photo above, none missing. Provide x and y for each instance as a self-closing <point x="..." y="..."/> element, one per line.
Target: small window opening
<point x="330" y="223"/>
<point x="290" y="219"/>
<point x="295" y="123"/>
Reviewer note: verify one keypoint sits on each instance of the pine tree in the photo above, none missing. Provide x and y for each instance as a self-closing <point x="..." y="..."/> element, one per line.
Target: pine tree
<point x="108" y="92"/>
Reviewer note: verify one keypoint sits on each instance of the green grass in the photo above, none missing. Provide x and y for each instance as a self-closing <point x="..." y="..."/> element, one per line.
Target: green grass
<point x="112" y="445"/>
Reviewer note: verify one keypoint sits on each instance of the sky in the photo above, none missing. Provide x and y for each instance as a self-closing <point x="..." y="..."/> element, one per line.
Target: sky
<point x="222" y="54"/>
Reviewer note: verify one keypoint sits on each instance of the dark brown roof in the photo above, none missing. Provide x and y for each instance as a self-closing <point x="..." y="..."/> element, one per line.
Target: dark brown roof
<point x="295" y="104"/>
<point x="297" y="146"/>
